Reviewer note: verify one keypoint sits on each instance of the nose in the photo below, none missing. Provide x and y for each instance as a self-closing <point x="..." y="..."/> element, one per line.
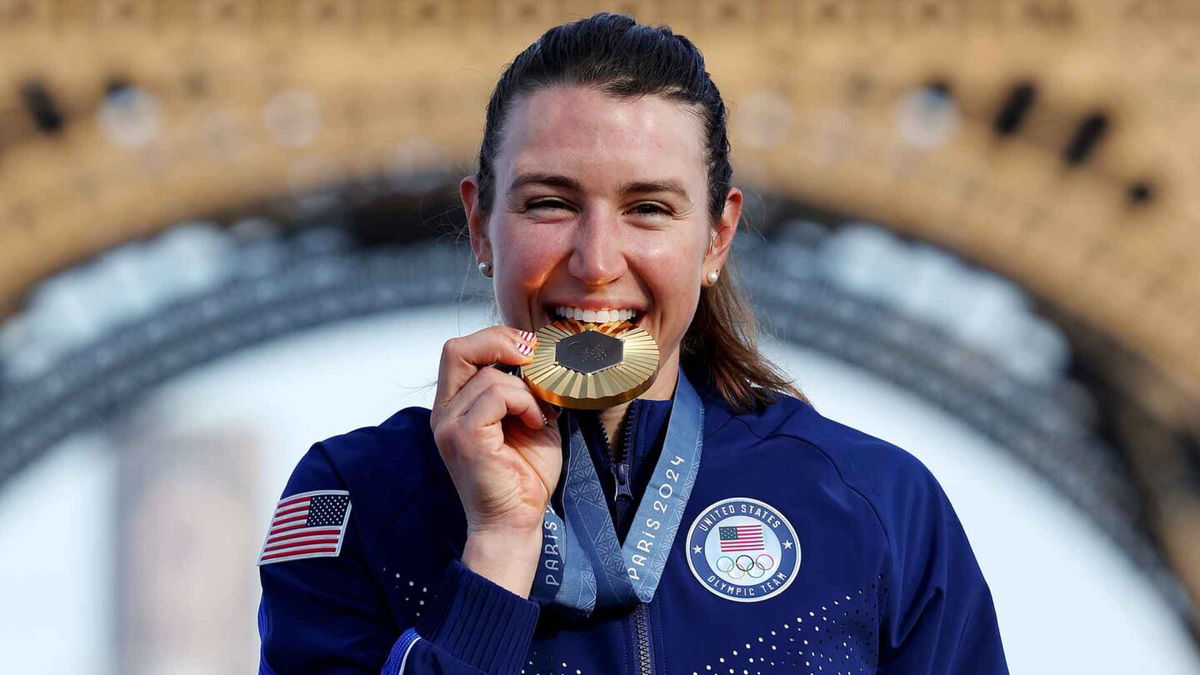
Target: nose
<point x="598" y="257"/>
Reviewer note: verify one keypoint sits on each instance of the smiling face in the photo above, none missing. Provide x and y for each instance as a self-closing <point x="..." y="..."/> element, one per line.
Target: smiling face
<point x="601" y="205"/>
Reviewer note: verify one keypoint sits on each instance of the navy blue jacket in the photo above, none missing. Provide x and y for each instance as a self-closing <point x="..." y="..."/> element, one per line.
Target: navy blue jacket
<point x="880" y="576"/>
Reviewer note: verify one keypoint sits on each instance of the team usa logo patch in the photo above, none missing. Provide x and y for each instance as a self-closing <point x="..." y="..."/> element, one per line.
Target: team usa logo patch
<point x="743" y="550"/>
<point x="307" y="525"/>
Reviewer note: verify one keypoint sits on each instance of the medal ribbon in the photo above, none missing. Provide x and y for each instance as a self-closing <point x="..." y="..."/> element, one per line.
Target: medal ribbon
<point x="582" y="564"/>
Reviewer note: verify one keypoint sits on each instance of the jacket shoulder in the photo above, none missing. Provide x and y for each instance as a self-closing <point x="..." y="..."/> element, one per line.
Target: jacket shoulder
<point x="864" y="460"/>
<point x="400" y="450"/>
<point x="386" y="468"/>
<point x="926" y="539"/>
<point x="887" y="476"/>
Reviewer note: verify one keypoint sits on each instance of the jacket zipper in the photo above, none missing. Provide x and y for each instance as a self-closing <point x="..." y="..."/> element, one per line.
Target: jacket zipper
<point x="623" y="498"/>
<point x="620" y="468"/>
<point x="641" y="628"/>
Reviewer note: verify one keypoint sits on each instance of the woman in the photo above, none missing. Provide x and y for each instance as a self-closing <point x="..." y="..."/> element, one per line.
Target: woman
<point x="739" y="531"/>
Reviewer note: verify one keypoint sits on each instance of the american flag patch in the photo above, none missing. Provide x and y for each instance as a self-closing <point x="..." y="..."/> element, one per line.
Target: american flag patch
<point x="307" y="525"/>
<point x="741" y="538"/>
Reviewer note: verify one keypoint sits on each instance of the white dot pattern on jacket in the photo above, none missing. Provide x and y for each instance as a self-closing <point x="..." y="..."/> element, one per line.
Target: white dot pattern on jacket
<point x="414" y="596"/>
<point x="838" y="637"/>
<point x="542" y="662"/>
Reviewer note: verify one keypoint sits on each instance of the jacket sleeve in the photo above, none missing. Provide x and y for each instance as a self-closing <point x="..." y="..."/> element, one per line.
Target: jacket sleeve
<point x="330" y="615"/>
<point x="938" y="614"/>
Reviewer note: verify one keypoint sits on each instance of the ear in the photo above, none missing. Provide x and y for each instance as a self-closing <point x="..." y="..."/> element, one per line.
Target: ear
<point x="721" y="235"/>
<point x="468" y="190"/>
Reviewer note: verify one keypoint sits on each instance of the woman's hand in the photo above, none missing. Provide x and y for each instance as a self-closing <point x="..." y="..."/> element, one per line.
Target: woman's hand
<point x="502" y="449"/>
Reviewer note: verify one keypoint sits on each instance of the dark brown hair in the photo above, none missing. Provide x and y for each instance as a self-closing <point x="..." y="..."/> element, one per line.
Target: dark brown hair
<point x="615" y="54"/>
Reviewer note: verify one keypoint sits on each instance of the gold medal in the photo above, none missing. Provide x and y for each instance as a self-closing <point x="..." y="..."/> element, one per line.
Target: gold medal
<point x="587" y="365"/>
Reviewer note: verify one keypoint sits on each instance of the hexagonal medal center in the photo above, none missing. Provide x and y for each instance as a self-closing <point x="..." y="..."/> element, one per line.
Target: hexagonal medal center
<point x="589" y="352"/>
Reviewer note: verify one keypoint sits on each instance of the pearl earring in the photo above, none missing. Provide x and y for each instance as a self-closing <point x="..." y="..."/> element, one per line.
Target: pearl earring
<point x="485" y="268"/>
<point x="712" y="276"/>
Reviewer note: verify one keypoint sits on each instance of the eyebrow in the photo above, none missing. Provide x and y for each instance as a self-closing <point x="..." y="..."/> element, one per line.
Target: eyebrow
<point x="632" y="187"/>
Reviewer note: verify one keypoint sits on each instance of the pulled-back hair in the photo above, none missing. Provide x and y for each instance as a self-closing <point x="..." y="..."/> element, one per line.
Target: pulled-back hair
<point x="614" y="54"/>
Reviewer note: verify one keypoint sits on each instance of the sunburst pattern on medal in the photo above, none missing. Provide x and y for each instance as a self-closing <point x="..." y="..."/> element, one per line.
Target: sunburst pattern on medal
<point x="630" y="373"/>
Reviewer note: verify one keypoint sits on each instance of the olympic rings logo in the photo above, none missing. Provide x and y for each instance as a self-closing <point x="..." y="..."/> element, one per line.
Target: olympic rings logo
<point x="743" y="550"/>
<point x="745" y="566"/>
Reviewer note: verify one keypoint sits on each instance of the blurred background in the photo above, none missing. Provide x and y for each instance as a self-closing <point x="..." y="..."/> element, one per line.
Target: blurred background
<point x="230" y="228"/>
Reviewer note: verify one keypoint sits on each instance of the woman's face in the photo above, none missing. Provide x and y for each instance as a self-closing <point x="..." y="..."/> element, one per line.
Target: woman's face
<point x="601" y="205"/>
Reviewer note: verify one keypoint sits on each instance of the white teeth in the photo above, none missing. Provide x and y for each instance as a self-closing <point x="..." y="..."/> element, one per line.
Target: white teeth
<point x="595" y="315"/>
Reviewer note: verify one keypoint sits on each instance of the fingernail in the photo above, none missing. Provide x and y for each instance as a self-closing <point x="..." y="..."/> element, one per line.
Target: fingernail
<point x="545" y="422"/>
<point x="524" y="348"/>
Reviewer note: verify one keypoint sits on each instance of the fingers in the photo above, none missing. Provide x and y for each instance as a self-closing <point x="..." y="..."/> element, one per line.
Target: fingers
<point x="462" y="357"/>
<point x="488" y="382"/>
<point x="500" y="400"/>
